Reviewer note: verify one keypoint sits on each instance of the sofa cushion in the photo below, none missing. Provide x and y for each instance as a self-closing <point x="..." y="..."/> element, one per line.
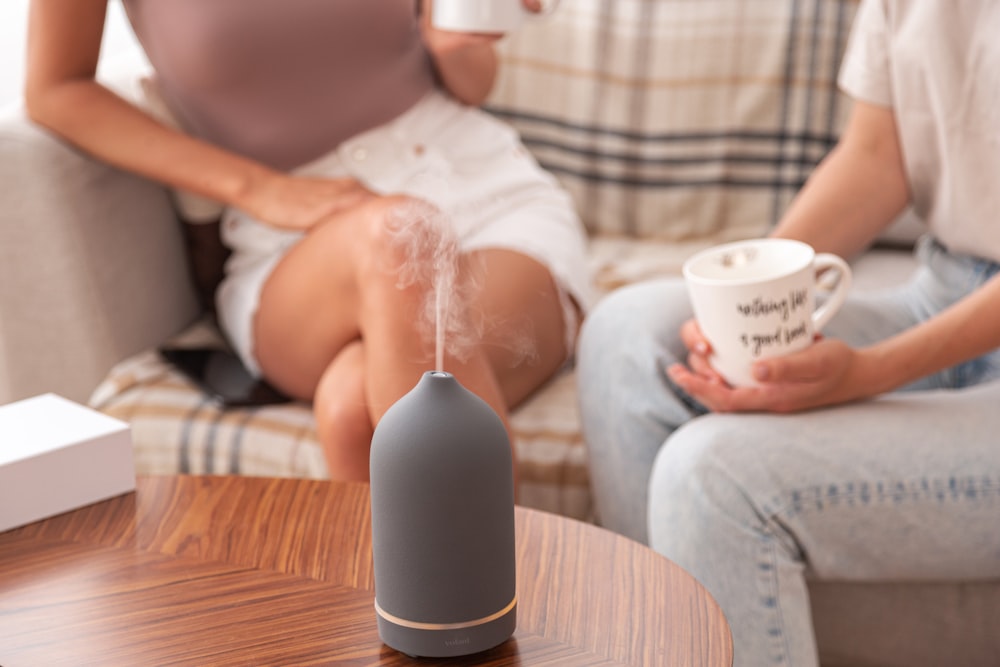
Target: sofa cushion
<point x="176" y="428"/>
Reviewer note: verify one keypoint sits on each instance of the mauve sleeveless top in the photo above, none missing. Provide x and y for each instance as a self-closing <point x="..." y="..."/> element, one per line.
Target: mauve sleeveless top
<point x="283" y="81"/>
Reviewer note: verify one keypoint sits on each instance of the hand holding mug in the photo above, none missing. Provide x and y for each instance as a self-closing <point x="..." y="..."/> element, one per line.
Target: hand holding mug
<point x="756" y="299"/>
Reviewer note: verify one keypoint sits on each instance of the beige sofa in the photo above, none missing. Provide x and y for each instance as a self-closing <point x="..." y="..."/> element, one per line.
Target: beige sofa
<point x="674" y="124"/>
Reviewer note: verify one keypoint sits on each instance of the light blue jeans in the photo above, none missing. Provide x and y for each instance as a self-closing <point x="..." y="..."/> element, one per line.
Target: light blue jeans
<point x="904" y="487"/>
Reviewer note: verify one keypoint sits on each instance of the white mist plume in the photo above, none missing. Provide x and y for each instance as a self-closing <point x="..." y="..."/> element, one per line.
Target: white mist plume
<point x="430" y="257"/>
<point x="450" y="316"/>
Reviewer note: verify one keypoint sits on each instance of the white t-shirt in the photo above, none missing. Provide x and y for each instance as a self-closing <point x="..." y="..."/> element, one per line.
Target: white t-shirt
<point x="936" y="63"/>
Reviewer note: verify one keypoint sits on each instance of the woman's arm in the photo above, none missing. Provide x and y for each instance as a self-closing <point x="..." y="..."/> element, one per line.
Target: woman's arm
<point x="966" y="330"/>
<point x="829" y="372"/>
<point x="856" y="192"/>
<point x="64" y="40"/>
<point x="466" y="63"/>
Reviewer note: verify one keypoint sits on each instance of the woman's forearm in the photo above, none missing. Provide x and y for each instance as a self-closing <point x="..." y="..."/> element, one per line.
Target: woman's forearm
<point x="965" y="331"/>
<point x="467" y="70"/>
<point x="97" y="121"/>
<point x="61" y="94"/>
<point x="855" y="192"/>
<point x="466" y="64"/>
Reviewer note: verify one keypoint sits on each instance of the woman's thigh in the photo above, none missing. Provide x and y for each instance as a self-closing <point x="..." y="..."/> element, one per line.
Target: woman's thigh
<point x="906" y="486"/>
<point x="309" y="304"/>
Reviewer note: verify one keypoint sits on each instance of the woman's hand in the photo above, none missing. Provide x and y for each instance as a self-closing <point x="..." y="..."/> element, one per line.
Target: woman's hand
<point x="296" y="202"/>
<point x="826" y="373"/>
<point x="699" y="349"/>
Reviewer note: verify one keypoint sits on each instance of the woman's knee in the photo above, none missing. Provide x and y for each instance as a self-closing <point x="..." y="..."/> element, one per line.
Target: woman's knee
<point x="343" y="421"/>
<point x="340" y="414"/>
<point x="707" y="471"/>
<point x="405" y="241"/>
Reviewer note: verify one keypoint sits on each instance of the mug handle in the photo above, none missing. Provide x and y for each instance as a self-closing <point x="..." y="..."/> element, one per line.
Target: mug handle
<point x="825" y="313"/>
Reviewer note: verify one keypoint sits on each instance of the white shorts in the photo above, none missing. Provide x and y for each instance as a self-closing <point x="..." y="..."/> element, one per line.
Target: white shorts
<point x="463" y="161"/>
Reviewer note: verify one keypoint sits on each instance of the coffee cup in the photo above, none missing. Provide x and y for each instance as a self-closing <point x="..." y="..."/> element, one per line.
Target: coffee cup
<point x="757" y="299"/>
<point x="480" y="16"/>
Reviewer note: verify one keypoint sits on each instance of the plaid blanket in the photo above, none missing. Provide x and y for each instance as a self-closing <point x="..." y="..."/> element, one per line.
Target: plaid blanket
<point x="678" y="119"/>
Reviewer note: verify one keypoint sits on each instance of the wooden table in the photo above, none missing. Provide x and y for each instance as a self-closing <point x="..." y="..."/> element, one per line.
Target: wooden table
<point x="250" y="571"/>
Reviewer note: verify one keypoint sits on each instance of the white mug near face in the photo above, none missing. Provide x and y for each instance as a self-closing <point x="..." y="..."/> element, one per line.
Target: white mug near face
<point x="482" y="16"/>
<point x="757" y="299"/>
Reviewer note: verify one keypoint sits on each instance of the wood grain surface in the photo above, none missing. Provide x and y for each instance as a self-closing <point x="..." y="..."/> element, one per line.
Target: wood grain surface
<point x="253" y="571"/>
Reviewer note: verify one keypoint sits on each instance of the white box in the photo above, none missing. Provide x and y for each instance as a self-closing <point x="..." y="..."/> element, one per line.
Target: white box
<point x="56" y="456"/>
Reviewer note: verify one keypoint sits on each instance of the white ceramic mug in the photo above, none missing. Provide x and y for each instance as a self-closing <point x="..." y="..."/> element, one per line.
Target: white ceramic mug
<point x="756" y="299"/>
<point x="482" y="16"/>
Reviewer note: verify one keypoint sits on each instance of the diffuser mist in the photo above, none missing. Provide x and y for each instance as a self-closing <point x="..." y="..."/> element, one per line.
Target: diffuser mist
<point x="443" y="522"/>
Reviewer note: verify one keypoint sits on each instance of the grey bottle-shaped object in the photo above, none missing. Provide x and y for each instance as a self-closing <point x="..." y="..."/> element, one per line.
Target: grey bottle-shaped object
<point x="443" y="522"/>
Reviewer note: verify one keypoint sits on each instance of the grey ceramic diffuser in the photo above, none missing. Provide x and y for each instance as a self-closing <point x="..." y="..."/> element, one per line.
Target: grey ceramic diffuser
<point x="443" y="522"/>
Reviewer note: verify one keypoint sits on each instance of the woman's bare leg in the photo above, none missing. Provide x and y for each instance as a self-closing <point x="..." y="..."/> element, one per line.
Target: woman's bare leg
<point x="341" y="285"/>
<point x="343" y="424"/>
<point x="311" y="305"/>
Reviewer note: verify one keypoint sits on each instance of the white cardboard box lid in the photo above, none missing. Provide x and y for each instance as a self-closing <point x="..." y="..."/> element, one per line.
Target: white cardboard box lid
<point x="44" y="423"/>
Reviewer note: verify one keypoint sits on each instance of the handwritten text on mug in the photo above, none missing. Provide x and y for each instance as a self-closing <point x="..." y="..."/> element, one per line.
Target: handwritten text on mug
<point x="783" y="336"/>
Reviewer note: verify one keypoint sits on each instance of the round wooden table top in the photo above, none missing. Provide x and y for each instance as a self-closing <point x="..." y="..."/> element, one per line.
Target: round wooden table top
<point x="253" y="571"/>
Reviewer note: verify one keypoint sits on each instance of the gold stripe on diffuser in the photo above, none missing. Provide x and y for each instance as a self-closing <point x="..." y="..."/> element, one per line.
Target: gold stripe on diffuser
<point x="416" y="625"/>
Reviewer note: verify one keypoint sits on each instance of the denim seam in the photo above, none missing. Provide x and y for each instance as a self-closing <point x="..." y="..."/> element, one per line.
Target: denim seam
<point x="771" y="585"/>
<point x="767" y="527"/>
<point x="877" y="492"/>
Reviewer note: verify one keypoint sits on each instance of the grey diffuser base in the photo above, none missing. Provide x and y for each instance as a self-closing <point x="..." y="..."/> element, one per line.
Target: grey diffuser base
<point x="425" y="643"/>
<point x="443" y="543"/>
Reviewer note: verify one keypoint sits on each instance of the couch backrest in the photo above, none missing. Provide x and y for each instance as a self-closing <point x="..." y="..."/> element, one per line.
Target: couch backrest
<point x="678" y="119"/>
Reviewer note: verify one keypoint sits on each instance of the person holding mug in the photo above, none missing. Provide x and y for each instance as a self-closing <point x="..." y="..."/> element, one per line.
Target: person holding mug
<point x="871" y="454"/>
<point x="380" y="224"/>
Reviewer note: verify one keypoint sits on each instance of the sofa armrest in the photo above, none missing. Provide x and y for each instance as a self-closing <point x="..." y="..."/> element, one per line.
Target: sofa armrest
<point x="92" y="265"/>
